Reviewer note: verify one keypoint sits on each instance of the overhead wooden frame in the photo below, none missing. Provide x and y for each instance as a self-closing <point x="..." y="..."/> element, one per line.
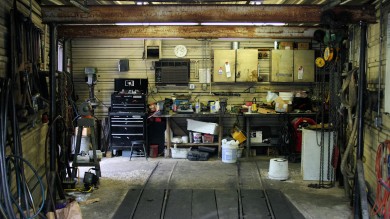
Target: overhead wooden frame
<point x="111" y="14"/>
<point x="113" y="31"/>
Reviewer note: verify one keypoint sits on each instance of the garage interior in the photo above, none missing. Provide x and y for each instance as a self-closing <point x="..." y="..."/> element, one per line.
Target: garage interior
<point x="194" y="109"/>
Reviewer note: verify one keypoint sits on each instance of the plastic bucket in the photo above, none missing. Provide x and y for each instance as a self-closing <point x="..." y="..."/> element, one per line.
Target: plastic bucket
<point x="229" y="153"/>
<point x="153" y="150"/>
<point x="278" y="169"/>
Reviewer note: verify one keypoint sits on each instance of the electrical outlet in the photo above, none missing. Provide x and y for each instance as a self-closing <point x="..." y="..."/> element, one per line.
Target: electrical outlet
<point x="191" y="86"/>
<point x="204" y="87"/>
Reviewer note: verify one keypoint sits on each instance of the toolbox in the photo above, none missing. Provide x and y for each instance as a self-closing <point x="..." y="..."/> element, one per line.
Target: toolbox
<point x="197" y="156"/>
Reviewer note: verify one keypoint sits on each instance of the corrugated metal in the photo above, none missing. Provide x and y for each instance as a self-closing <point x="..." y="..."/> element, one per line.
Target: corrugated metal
<point x="104" y="54"/>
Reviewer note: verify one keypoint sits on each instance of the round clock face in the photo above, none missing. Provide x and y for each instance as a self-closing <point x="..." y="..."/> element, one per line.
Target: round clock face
<point x="180" y="51"/>
<point x="320" y="62"/>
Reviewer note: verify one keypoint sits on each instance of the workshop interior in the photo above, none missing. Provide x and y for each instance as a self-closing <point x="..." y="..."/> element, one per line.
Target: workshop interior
<point x="280" y="84"/>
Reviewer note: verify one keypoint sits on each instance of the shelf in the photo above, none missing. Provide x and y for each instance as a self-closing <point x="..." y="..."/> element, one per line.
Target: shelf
<point x="195" y="144"/>
<point x="262" y="145"/>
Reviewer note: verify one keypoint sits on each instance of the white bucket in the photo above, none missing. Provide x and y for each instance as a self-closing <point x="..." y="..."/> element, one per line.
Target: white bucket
<point x="278" y="169"/>
<point x="229" y="151"/>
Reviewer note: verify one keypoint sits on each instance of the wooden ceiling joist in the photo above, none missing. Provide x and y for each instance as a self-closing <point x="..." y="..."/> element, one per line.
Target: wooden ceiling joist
<point x="111" y="14"/>
<point x="193" y="32"/>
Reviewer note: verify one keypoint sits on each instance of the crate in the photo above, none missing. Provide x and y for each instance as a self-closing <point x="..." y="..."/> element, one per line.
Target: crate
<point x="180" y="153"/>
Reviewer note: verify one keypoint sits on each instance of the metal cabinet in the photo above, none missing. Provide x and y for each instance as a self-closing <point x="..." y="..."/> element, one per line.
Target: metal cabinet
<point x="235" y="65"/>
<point x="247" y="63"/>
<point x="292" y="66"/>
<point x="224" y="65"/>
<point x="126" y="127"/>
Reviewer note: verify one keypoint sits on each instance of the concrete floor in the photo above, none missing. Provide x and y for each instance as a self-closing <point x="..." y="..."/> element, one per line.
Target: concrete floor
<point x="119" y="175"/>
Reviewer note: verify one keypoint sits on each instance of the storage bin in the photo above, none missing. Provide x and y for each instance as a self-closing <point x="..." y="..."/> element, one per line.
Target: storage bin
<point x="180" y="153"/>
<point x="202" y="127"/>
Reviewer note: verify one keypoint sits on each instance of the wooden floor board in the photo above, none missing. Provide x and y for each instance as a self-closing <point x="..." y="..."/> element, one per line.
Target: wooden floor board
<point x="254" y="204"/>
<point x="203" y="204"/>
<point x="227" y="204"/>
<point x="125" y="209"/>
<point x="179" y="204"/>
<point x="150" y="204"/>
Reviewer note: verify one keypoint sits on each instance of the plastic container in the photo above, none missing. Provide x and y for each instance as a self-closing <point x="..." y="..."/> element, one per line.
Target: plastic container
<point x="180" y="152"/>
<point x="278" y="169"/>
<point x="197" y="137"/>
<point x="229" y="151"/>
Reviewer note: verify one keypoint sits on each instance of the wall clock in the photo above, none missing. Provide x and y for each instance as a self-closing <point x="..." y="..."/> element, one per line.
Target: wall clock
<point x="180" y="51"/>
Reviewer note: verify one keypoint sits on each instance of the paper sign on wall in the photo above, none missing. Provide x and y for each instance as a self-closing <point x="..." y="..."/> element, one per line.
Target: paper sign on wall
<point x="227" y="69"/>
<point x="300" y="73"/>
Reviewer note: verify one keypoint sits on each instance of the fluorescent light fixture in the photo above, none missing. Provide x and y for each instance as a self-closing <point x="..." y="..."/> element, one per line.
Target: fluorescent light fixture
<point x="256" y="2"/>
<point x="159" y="24"/>
<point x="142" y="3"/>
<point x="203" y="24"/>
<point x="151" y="38"/>
<point x="241" y="24"/>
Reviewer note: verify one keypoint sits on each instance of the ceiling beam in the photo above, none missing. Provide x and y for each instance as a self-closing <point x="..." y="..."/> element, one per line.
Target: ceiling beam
<point x="192" y="32"/>
<point x="111" y="14"/>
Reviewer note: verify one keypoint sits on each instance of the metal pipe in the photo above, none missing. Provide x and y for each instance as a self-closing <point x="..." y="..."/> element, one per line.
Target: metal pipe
<point x="361" y="86"/>
<point x="359" y="208"/>
<point x="378" y="121"/>
<point x="53" y="85"/>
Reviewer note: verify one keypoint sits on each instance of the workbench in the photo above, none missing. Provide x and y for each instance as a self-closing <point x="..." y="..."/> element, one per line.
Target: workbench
<point x="275" y="120"/>
<point x="197" y="116"/>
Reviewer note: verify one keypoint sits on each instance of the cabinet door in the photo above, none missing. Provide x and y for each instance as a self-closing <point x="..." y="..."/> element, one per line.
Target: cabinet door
<point x="247" y="62"/>
<point x="304" y="66"/>
<point x="282" y="66"/>
<point x="224" y="65"/>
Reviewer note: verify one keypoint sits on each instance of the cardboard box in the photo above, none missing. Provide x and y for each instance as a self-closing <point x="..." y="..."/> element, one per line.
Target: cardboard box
<point x="286" y="45"/>
<point x="304" y="46"/>
<point x="202" y="127"/>
<point x="282" y="106"/>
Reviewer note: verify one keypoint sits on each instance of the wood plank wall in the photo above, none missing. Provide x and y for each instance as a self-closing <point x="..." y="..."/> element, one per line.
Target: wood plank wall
<point x="372" y="135"/>
<point x="33" y="139"/>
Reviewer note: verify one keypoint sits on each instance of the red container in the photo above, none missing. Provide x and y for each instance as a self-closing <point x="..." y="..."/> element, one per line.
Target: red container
<point x="153" y="150"/>
<point x="298" y="124"/>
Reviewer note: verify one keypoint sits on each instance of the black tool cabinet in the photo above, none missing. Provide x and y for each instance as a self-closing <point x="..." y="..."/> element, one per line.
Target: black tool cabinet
<point x="126" y="127"/>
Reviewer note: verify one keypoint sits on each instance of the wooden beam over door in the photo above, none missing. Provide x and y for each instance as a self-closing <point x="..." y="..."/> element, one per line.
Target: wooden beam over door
<point x="110" y="14"/>
<point x="113" y="31"/>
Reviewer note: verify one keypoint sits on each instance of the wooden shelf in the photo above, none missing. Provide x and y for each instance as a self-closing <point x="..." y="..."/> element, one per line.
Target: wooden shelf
<point x="195" y="144"/>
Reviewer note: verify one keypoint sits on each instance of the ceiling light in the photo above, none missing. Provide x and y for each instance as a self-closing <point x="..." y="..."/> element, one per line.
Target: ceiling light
<point x="256" y="2"/>
<point x="158" y="24"/>
<point x="241" y="24"/>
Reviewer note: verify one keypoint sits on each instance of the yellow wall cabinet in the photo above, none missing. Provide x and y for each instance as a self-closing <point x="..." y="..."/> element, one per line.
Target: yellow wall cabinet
<point x="235" y="65"/>
<point x="292" y="66"/>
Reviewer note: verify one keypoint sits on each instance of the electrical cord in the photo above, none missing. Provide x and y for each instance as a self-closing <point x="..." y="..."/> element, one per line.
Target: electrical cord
<point x="382" y="201"/>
